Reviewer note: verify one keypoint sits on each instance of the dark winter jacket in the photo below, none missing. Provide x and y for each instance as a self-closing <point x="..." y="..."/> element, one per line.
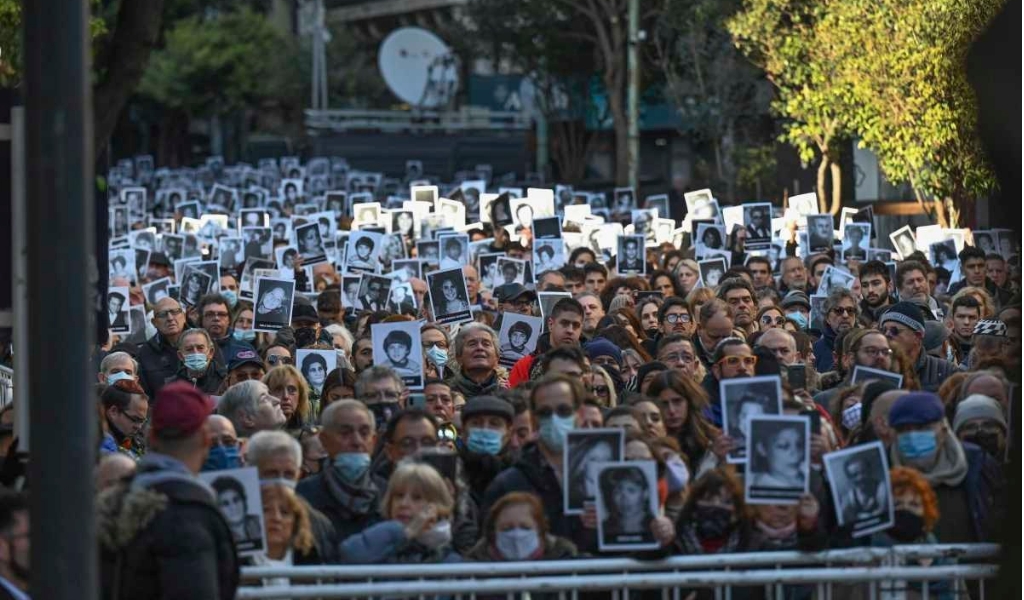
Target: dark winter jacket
<point x="823" y="359"/>
<point x="533" y="474"/>
<point x="984" y="487"/>
<point x="210" y="382"/>
<point x="162" y="537"/>
<point x="349" y="508"/>
<point x="1001" y="296"/>
<point x="158" y="363"/>
<point x="933" y="371"/>
<point x="481" y="469"/>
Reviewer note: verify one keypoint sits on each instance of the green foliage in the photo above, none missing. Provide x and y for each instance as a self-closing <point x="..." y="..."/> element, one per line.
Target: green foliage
<point x="11" y="38"/>
<point x="215" y="64"/>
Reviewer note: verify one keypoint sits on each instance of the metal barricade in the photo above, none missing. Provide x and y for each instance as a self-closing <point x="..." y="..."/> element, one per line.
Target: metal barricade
<point x="6" y="386"/>
<point x="850" y="573"/>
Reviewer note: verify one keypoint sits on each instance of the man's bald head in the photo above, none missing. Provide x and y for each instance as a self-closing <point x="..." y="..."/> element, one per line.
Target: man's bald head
<point x="782" y="344"/>
<point x="113" y="468"/>
<point x="221" y="430"/>
<point x="879" y="418"/>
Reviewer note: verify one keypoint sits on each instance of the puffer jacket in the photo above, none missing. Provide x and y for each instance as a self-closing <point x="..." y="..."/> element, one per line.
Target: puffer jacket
<point x="162" y="536"/>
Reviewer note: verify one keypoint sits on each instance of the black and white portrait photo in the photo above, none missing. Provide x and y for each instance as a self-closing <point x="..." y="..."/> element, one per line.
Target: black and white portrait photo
<point x="336" y="202"/>
<point x="403" y="223"/>
<point x="859" y="477"/>
<point x="631" y="257"/>
<point x="373" y="292"/>
<point x="804" y="204"/>
<point x="291" y="191"/>
<point x="711" y="271"/>
<point x="118" y="221"/>
<point x="366" y="214"/>
<point x="350" y="292"/>
<point x="658" y="203"/>
<point x="819" y="233"/>
<point x="401" y="299"/>
<point x="584" y="450"/>
<point x="985" y="240"/>
<point x="627" y="505"/>
<point x="399" y="346"/>
<point x="778" y="459"/>
<point x="194" y="285"/>
<point x="310" y="244"/>
<point x="413" y="169"/>
<point x="547" y="228"/>
<point x="856" y="237"/>
<point x="834" y="278"/>
<point x="121" y="264"/>
<point x="429" y="253"/>
<point x="862" y="374"/>
<point x="452" y="212"/>
<point x="903" y="241"/>
<point x="188" y="210"/>
<point x="287" y="258"/>
<point x="424" y="193"/>
<point x="518" y="337"/>
<point x="624" y="201"/>
<point x="449" y="298"/>
<point x="239" y="500"/>
<point x="757" y="218"/>
<point x="141" y="261"/>
<point x="143" y="239"/>
<point x="709" y="237"/>
<point x="363" y="252"/>
<point x="156" y="291"/>
<point x="315" y="365"/>
<point x="511" y="270"/>
<point x="282" y="229"/>
<point x="943" y="254"/>
<point x="547" y="301"/>
<point x="392" y="249"/>
<point x="501" y="210"/>
<point x="247" y="285"/>
<point x="523" y="213"/>
<point x="644" y="224"/>
<point x="742" y="399"/>
<point x="700" y="204"/>
<point x="223" y="197"/>
<point x="259" y="242"/>
<point x="406" y="269"/>
<point x="229" y="253"/>
<point x="548" y="255"/>
<point x="117" y="310"/>
<point x="273" y="304"/>
<point x="253" y="217"/>
<point x="454" y="250"/>
<point x="471" y="192"/>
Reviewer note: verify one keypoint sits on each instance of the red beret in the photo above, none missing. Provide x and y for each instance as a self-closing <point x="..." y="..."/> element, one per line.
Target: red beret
<point x="180" y="410"/>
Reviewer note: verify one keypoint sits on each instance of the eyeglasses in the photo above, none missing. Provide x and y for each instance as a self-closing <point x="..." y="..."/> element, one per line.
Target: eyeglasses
<point x="382" y="395"/>
<point x="447" y="433"/>
<point x="170" y="312"/>
<point x="600" y="390"/>
<point x="845" y="310"/>
<point x="563" y="410"/>
<point x="677" y="318"/>
<point x="876" y="352"/>
<point x="735" y="361"/>
<point x="136" y="420"/>
<point x="278" y="359"/>
<point x="216" y="315"/>
<point x="768" y="320"/>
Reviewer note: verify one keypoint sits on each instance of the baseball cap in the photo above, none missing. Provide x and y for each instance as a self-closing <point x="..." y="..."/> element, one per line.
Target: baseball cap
<point x="488" y="405"/>
<point x="511" y="291"/>
<point x="180" y="410"/>
<point x="244" y="354"/>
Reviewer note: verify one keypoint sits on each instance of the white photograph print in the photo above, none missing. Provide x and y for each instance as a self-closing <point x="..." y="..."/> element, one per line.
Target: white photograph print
<point x="240" y="501"/>
<point x="712" y="271"/>
<point x="742" y="399"/>
<point x="315" y="365"/>
<point x="778" y="459"/>
<point x="454" y="250"/>
<point x="401" y="299"/>
<point x="856" y="238"/>
<point x="273" y="304"/>
<point x="627" y="504"/>
<point x="449" y="298"/>
<point x="903" y="241"/>
<point x="156" y="291"/>
<point x="117" y="310"/>
<point x="834" y="278"/>
<point x="819" y="233"/>
<point x="310" y="244"/>
<point x="195" y="284"/>
<point x="701" y="204"/>
<point x="859" y="478"/>
<point x="511" y="270"/>
<point x="709" y="237"/>
<point x="363" y="252"/>
<point x="399" y="346"/>
<point x="862" y="374"/>
<point x="548" y="255"/>
<point x="631" y="256"/>
<point x="518" y="337"/>
<point x="583" y="451"/>
<point x="373" y="292"/>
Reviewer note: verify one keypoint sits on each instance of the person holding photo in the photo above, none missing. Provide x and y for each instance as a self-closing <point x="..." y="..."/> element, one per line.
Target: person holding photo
<point x="452" y="301"/>
<point x="452" y="254"/>
<point x="397" y="347"/>
<point x="314" y="369"/>
<point x="588" y="451"/>
<point x="627" y="493"/>
<point x="777" y="461"/>
<point x="682" y="402"/>
<point x="417" y="508"/>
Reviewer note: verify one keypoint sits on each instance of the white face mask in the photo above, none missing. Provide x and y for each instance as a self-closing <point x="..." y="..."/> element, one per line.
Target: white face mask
<point x="517" y="544"/>
<point x="437" y="536"/>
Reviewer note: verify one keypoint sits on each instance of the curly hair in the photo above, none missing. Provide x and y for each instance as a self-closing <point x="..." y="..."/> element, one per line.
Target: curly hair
<point x="906" y="479"/>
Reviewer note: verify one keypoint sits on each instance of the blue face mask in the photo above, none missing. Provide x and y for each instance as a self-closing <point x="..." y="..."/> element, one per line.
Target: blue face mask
<point x="553" y="430"/>
<point x="222" y="457"/>
<point x="119" y="376"/>
<point x="352" y="465"/>
<point x="230" y="296"/>
<point x="484" y="441"/>
<point x="799" y="317"/>
<point x="918" y="446"/>
<point x="437" y="355"/>
<point x="196" y="362"/>
<point x="244" y="335"/>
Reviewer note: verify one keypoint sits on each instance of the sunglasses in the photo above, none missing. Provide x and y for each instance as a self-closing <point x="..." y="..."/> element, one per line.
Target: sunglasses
<point x="845" y="310"/>
<point x="563" y="410"/>
<point x="735" y="361"/>
<point x="277" y="359"/>
<point x="768" y="320"/>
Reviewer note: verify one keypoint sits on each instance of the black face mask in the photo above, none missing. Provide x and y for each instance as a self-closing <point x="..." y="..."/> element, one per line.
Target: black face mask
<point x="713" y="522"/>
<point x="989" y="442"/>
<point x="907" y="526"/>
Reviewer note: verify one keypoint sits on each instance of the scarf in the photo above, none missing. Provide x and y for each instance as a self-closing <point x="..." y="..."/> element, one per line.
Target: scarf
<point x="694" y="545"/>
<point x="471" y="389"/>
<point x="358" y="500"/>
<point x="951" y="468"/>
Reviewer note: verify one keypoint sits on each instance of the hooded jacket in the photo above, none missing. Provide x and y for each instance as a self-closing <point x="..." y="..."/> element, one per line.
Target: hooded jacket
<point x="162" y="536"/>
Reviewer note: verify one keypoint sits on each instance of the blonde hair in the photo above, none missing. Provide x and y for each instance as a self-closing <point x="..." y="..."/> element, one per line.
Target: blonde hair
<point x="302" y="531"/>
<point x="424" y="478"/>
<point x="988" y="307"/>
<point x="278" y="377"/>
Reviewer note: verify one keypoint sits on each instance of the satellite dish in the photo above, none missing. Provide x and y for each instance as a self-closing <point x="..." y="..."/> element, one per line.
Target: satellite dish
<point x="418" y="67"/>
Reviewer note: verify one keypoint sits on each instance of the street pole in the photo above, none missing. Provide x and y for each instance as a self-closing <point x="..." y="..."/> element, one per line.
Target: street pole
<point x="633" y="98"/>
<point x="61" y="266"/>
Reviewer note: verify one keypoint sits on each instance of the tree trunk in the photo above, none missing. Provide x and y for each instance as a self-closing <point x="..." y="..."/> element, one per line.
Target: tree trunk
<point x="837" y="187"/>
<point x="123" y="63"/>
<point x="822" y="172"/>
<point x="616" y="106"/>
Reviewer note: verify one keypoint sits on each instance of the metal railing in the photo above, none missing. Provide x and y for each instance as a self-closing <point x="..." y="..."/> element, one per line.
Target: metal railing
<point x="464" y="119"/>
<point x="874" y="570"/>
<point x="6" y="386"/>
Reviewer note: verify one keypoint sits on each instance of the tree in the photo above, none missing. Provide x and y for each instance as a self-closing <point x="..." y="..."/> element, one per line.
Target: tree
<point x="720" y="96"/>
<point x="780" y="37"/>
<point x="904" y="63"/>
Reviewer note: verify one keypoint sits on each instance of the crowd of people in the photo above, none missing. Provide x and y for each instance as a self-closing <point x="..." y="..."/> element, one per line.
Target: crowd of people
<point x="355" y="467"/>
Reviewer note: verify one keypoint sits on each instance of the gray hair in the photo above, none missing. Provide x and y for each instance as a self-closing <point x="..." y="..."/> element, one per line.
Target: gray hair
<point x="836" y="297"/>
<point x="376" y="373"/>
<point x="242" y="397"/>
<point x="460" y="337"/>
<point x="328" y="417"/>
<point x="114" y="357"/>
<point x="195" y="331"/>
<point x="345" y="334"/>
<point x="266" y="444"/>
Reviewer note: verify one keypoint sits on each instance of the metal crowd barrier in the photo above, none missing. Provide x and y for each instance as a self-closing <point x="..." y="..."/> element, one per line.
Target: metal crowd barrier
<point x="865" y="572"/>
<point x="6" y="386"/>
